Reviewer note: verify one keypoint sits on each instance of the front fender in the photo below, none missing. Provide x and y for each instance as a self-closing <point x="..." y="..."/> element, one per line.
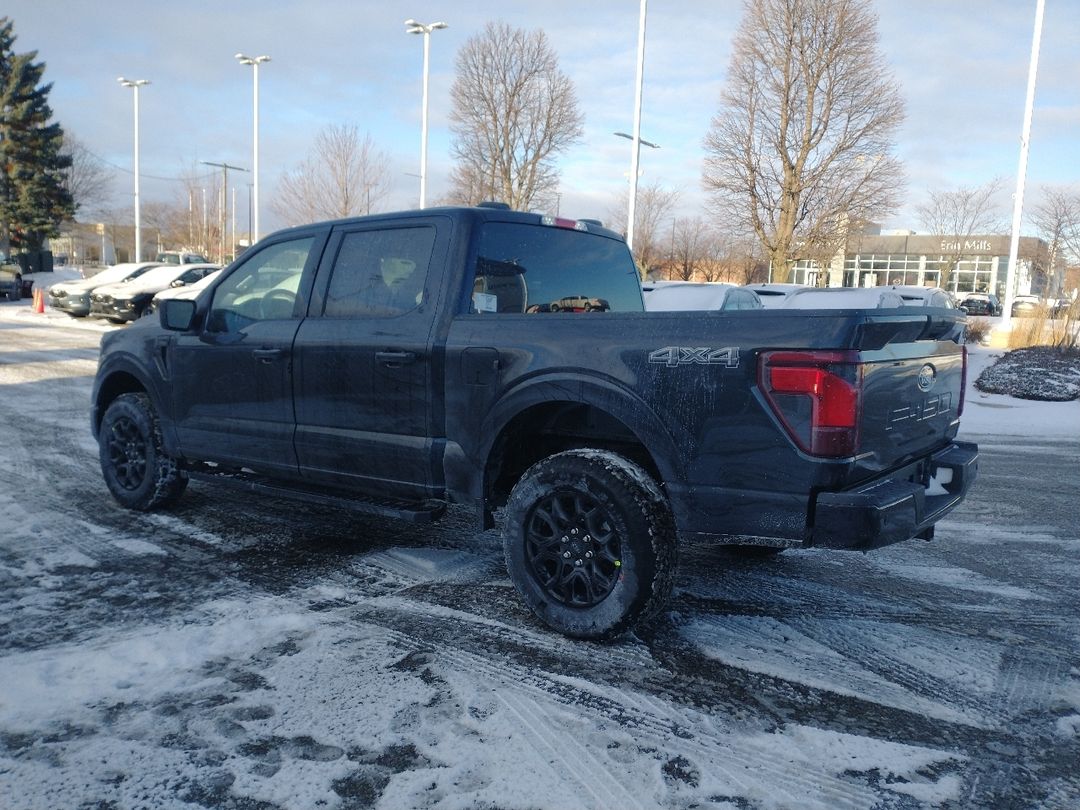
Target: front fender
<point x="122" y="373"/>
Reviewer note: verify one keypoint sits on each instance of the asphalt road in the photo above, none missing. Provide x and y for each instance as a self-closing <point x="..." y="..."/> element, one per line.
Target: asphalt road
<point x="247" y="653"/>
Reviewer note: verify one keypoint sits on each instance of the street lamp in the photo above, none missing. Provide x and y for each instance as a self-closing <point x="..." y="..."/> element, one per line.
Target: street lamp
<point x="254" y="61"/>
<point x="639" y="140"/>
<point x="135" y="84"/>
<point x="636" y="138"/>
<point x="633" y="182"/>
<point x="413" y="27"/>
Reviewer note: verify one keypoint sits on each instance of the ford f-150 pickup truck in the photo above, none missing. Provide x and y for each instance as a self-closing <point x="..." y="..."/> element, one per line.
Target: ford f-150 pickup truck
<point x="399" y="362"/>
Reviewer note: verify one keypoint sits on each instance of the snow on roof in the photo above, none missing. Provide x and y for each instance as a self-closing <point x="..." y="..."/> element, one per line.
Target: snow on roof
<point x="687" y="297"/>
<point x="843" y="298"/>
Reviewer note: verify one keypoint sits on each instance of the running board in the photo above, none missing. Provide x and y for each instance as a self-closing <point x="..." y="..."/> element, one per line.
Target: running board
<point x="412" y="511"/>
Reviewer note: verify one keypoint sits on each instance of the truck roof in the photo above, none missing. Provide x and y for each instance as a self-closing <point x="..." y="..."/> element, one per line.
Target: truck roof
<point x="478" y="213"/>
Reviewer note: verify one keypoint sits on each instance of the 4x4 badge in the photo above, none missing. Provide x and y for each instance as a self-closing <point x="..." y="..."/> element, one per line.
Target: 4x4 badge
<point x="696" y="355"/>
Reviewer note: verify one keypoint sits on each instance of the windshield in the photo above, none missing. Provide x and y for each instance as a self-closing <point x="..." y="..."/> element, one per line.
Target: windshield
<point x="118" y="272"/>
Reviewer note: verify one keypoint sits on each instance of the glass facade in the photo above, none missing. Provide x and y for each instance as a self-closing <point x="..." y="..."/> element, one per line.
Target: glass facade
<point x="981" y="268"/>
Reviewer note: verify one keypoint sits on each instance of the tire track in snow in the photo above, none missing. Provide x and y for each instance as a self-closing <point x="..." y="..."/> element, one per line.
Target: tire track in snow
<point x="725" y="750"/>
<point x="576" y="759"/>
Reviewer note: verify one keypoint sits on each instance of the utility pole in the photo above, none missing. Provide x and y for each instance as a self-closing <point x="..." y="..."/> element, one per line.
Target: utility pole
<point x="224" y="198"/>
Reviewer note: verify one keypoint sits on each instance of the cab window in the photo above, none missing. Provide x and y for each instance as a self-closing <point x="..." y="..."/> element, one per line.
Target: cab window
<point x="380" y="273"/>
<point x="264" y="288"/>
<point x="523" y="268"/>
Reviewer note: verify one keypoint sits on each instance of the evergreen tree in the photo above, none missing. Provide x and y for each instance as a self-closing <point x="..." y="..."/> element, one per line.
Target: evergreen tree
<point x="33" y="197"/>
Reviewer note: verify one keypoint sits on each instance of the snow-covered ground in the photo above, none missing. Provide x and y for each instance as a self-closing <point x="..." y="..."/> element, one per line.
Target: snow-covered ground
<point x="247" y="653"/>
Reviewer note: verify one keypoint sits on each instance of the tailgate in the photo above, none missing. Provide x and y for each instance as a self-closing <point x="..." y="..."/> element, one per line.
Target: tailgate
<point x="911" y="397"/>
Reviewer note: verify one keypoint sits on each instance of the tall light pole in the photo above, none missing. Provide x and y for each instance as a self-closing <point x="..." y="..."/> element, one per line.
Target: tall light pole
<point x="254" y="61"/>
<point x="636" y="152"/>
<point x="1021" y="172"/>
<point x="635" y="170"/>
<point x="413" y="27"/>
<point x="135" y="84"/>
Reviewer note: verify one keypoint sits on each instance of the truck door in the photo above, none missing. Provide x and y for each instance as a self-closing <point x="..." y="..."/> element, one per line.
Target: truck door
<point x="365" y="388"/>
<point x="232" y="382"/>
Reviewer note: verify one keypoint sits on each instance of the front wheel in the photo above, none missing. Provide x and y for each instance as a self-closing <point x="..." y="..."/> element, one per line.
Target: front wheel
<point x="590" y="543"/>
<point x="137" y="470"/>
<point x="16" y="291"/>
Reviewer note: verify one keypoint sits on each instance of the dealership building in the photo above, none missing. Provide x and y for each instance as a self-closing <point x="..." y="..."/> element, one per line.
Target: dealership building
<point x="980" y="263"/>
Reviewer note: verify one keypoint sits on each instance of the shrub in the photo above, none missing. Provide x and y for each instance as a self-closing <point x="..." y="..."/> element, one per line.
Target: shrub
<point x="1060" y="329"/>
<point x="977" y="330"/>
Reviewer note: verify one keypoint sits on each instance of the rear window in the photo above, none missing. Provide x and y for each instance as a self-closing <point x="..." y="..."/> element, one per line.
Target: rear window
<point x="541" y="269"/>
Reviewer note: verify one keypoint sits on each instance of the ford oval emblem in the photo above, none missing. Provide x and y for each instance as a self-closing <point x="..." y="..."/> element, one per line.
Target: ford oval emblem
<point x="927" y="377"/>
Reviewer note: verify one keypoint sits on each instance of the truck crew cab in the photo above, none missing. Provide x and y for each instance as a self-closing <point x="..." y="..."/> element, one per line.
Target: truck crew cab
<point x="397" y="362"/>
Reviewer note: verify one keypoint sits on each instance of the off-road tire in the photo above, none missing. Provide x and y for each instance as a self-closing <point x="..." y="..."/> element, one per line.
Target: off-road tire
<point x="590" y="543"/>
<point x="137" y="470"/>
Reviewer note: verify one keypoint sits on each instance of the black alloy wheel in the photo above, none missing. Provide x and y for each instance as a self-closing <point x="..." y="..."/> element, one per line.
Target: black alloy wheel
<point x="590" y="543"/>
<point x="137" y="470"/>
<point x="126" y="446"/>
<point x="573" y="549"/>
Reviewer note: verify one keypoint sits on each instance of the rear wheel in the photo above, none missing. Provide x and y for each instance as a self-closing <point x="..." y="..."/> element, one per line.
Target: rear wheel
<point x="590" y="543"/>
<point x="16" y="291"/>
<point x="137" y="470"/>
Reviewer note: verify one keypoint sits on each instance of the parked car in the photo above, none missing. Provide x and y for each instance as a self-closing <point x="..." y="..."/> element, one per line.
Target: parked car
<point x="691" y="296"/>
<point x="1028" y="305"/>
<point x="126" y="301"/>
<point x="73" y="297"/>
<point x="914" y="295"/>
<point x="181" y="291"/>
<point x="11" y="281"/>
<point x="1063" y="306"/>
<point x="981" y="304"/>
<point x="180" y="257"/>
<point x="773" y="295"/>
<point x="579" y="303"/>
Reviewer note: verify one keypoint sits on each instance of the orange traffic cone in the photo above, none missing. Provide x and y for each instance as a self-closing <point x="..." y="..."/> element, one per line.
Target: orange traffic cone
<point x="39" y="301"/>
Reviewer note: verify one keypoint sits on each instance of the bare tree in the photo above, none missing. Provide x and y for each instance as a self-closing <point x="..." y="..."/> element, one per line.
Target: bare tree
<point x="513" y="112"/>
<point x="343" y="175"/>
<point x="86" y="179"/>
<point x="959" y="215"/>
<point x="1057" y="218"/>
<point x="652" y="211"/>
<point x="802" y="143"/>
<point x="689" y="244"/>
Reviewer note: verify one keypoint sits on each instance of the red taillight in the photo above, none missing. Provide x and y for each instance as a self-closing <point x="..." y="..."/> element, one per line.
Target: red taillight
<point x="817" y="396"/>
<point x="963" y="384"/>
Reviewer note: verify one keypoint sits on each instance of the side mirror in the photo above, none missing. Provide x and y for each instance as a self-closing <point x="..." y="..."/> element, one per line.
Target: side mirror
<point x="177" y="283"/>
<point x="177" y="315"/>
<point x="963" y="309"/>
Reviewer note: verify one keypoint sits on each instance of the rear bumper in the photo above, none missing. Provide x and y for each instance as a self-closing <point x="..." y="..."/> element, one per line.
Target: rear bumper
<point x="891" y="510"/>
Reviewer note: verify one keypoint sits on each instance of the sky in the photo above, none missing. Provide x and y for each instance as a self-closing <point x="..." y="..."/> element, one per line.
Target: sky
<point x="962" y="66"/>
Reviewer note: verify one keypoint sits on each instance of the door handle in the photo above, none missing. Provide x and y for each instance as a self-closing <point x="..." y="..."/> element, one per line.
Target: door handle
<point x="395" y="359"/>
<point x="268" y="355"/>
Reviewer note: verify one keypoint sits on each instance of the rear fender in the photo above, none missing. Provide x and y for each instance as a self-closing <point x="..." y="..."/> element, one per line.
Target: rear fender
<point x="605" y="396"/>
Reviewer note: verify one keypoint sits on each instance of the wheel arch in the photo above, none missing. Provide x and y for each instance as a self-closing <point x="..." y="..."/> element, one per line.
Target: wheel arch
<point x="549" y="416"/>
<point x="120" y="379"/>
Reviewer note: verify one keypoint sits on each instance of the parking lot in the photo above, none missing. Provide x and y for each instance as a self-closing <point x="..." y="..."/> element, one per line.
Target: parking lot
<point x="259" y="654"/>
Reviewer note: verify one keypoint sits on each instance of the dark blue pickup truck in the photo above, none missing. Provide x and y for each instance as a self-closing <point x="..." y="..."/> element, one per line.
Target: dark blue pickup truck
<point x="398" y="362"/>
